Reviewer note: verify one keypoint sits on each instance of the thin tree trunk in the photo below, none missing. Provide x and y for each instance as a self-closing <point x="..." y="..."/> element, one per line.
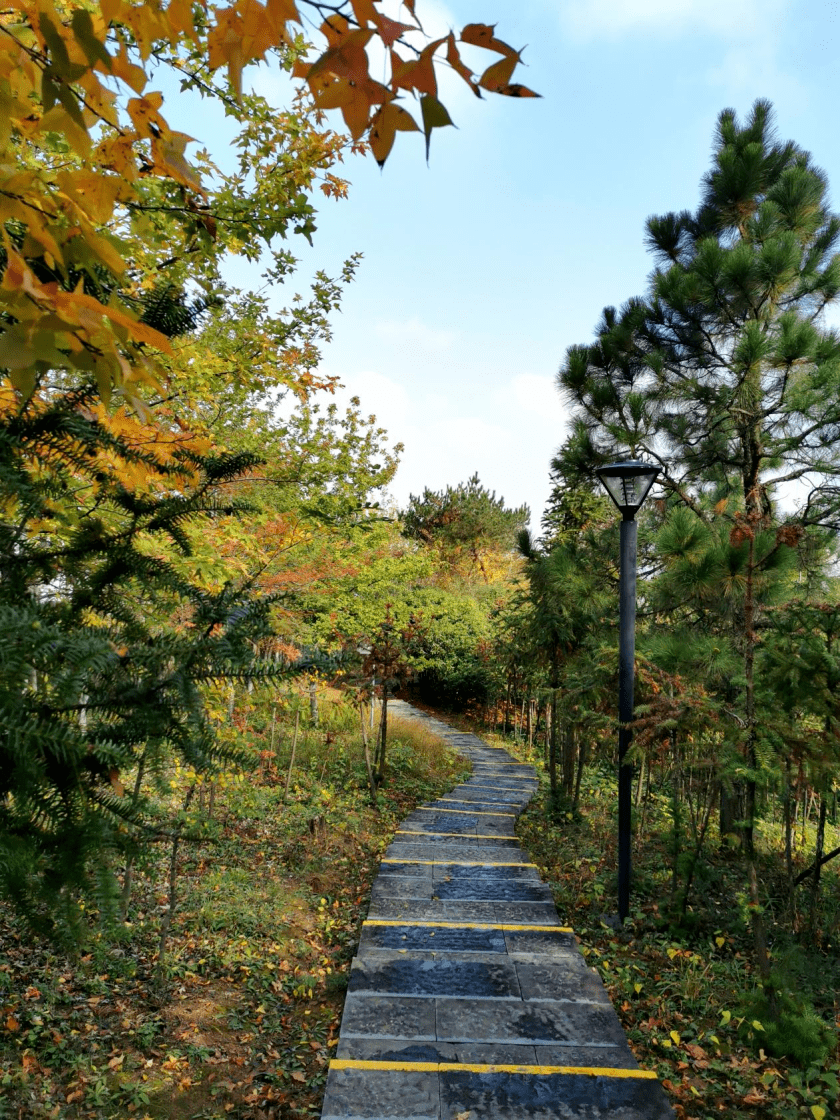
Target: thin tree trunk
<point x="762" y="957"/>
<point x="128" y="877"/>
<point x="368" y="767"/>
<point x="815" y="882"/>
<point x="748" y="829"/>
<point x="701" y="827"/>
<point x="581" y="762"/>
<point x="676" y="815"/>
<point x="166" y="923"/>
<point x="292" y="759"/>
<point x="569" y="757"/>
<point x="552" y="748"/>
<point x="383" y="737"/>
<point x="313" y="703"/>
<point x="640" y="783"/>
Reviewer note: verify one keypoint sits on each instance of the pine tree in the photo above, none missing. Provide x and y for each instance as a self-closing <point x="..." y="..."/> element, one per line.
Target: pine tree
<point x="724" y="373"/>
<point x="464" y="521"/>
<point x="106" y="646"/>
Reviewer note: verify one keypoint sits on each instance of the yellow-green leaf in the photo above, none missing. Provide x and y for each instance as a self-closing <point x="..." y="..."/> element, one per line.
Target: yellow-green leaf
<point x="434" y="116"/>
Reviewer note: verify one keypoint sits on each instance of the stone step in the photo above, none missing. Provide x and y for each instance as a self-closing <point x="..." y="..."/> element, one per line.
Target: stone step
<point x="396" y="1090"/>
<point x="468" y="999"/>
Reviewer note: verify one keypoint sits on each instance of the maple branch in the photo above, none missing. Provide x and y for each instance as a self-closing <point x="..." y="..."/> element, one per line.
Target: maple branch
<point x="43" y="62"/>
<point x="26" y="202"/>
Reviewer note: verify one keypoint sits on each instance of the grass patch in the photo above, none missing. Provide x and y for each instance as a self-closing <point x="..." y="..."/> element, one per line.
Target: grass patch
<point x="241" y="1017"/>
<point x="685" y="986"/>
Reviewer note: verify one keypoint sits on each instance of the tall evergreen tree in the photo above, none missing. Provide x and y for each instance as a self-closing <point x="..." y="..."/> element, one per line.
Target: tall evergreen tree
<point x="725" y="373"/>
<point x="466" y="520"/>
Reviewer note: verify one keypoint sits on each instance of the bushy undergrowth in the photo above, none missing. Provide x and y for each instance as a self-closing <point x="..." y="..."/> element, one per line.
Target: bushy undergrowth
<point x="239" y="1017"/>
<point x="685" y="985"/>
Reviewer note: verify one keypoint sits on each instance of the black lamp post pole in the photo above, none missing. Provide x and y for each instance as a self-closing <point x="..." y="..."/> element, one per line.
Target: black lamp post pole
<point x="627" y="483"/>
<point x="626" y="668"/>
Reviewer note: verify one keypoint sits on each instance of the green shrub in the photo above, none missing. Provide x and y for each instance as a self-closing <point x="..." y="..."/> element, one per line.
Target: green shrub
<point x="797" y="1032"/>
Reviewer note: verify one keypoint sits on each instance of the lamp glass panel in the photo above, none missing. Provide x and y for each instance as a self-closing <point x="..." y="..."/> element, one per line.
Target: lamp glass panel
<point x="629" y="489"/>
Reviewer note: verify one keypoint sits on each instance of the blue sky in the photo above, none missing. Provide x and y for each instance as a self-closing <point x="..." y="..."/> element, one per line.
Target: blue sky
<point x="480" y="270"/>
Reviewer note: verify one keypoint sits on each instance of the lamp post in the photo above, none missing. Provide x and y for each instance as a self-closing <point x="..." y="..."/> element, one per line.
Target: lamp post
<point x="627" y="483"/>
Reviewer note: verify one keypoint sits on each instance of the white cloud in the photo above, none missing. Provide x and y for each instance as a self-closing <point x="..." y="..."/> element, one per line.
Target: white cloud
<point x="381" y="396"/>
<point x="414" y="333"/>
<point x="535" y="394"/>
<point x="729" y="19"/>
<point x="751" y="69"/>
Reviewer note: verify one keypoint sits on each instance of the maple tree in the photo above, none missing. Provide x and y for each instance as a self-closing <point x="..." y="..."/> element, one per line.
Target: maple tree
<point x="91" y="159"/>
<point x="116" y="322"/>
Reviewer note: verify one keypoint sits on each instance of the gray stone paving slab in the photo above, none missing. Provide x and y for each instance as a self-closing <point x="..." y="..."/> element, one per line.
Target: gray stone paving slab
<point x="437" y="940"/>
<point x="388" y="1017"/>
<point x="522" y="913"/>
<point x="507" y="1096"/>
<point x="410" y="910"/>
<point x="558" y="1054"/>
<point x="378" y="1096"/>
<point x="446" y="869"/>
<point x="477" y="979"/>
<point x="539" y="942"/>
<point x="456" y="822"/>
<point x="462" y="991"/>
<point x="561" y="980"/>
<point x="584" y="1024"/>
<point x="472" y="839"/>
<point x="459" y="850"/>
<point x="394" y="886"/>
<point x="493" y="890"/>
<point x="377" y="1049"/>
<point x="528" y="913"/>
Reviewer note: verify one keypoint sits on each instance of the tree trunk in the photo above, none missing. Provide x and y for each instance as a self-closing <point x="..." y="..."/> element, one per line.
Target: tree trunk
<point x="762" y="957"/>
<point x="128" y="878"/>
<point x="313" y="703"/>
<point x="640" y="783"/>
<point x="166" y="923"/>
<point x="292" y="759"/>
<point x="552" y="746"/>
<point x="676" y="816"/>
<point x="368" y="767"/>
<point x="581" y="762"/>
<point x="815" y="882"/>
<point x="383" y="736"/>
<point x="751" y="785"/>
<point x="569" y="757"/>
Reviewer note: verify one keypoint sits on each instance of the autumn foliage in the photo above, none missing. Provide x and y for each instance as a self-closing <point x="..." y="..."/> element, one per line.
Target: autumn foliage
<point x="85" y="143"/>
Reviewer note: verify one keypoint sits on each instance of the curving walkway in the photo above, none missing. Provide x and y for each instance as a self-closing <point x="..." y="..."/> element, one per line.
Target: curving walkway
<point x="468" y="1000"/>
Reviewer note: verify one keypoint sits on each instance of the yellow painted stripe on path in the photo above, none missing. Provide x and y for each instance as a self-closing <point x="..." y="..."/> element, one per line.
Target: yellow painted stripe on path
<point x="460" y="835"/>
<point x="457" y="863"/>
<point x="477" y="1067"/>
<point x="463" y="812"/>
<point x="464" y="925"/>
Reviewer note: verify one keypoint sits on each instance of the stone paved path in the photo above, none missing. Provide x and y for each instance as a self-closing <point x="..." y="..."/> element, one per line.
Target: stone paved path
<point x="468" y="1000"/>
